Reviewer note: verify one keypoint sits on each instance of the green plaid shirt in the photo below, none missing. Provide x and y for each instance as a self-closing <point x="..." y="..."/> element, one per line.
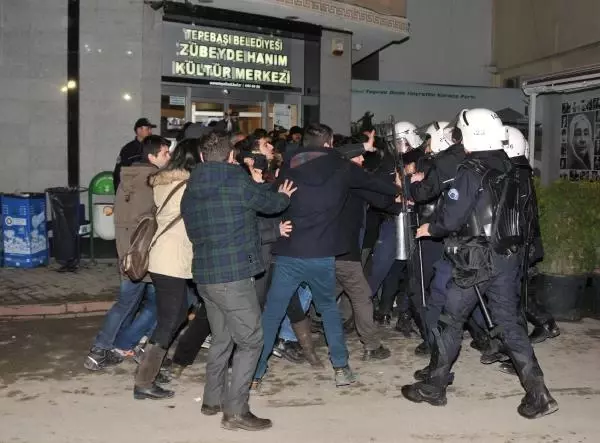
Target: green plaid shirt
<point x="219" y="209"/>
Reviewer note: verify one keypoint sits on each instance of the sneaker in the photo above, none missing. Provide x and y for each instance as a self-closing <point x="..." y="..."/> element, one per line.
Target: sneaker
<point x="99" y="359"/>
<point x="278" y="349"/>
<point x="344" y="376"/>
<point x="207" y="342"/>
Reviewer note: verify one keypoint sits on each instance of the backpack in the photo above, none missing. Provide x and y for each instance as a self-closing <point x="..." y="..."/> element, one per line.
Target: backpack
<point x="134" y="263"/>
<point x="506" y="234"/>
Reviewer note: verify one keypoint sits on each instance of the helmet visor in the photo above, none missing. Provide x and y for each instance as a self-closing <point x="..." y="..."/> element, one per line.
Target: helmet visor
<point x="449" y="133"/>
<point x="402" y="145"/>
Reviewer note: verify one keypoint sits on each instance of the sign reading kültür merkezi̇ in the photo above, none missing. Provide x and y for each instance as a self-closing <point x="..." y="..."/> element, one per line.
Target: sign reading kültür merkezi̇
<point x="223" y="57"/>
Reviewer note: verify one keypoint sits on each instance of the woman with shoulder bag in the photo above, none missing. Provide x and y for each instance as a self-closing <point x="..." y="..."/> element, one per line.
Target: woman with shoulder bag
<point x="170" y="266"/>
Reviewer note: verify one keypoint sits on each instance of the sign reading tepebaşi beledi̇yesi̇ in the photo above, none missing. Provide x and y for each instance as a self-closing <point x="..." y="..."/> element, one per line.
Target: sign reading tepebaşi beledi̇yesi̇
<point x="225" y="57"/>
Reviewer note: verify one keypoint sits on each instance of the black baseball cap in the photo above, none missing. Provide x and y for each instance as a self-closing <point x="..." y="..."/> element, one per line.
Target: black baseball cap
<point x="143" y="122"/>
<point x="351" y="151"/>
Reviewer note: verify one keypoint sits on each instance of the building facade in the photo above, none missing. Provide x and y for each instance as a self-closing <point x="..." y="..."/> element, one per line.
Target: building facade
<point x="76" y="74"/>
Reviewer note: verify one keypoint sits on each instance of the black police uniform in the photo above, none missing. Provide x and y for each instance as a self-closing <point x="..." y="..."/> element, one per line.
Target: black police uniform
<point x="465" y="201"/>
<point x="544" y="323"/>
<point x="130" y="153"/>
<point x="439" y="177"/>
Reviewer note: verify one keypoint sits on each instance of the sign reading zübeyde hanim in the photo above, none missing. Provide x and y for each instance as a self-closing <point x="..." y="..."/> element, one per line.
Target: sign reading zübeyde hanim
<point x="227" y="58"/>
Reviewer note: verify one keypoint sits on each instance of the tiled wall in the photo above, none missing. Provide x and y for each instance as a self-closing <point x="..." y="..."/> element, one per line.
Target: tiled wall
<point x="33" y="68"/>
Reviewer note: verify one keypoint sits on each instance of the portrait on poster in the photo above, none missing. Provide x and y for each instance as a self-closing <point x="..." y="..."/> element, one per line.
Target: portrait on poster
<point x="580" y="140"/>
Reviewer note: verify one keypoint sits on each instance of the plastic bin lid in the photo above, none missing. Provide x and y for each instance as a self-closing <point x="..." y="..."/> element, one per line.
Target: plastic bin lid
<point x="25" y="195"/>
<point x="102" y="184"/>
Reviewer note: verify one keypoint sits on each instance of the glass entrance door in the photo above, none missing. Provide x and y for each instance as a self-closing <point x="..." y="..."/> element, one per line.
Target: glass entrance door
<point x="206" y="111"/>
<point x="249" y="116"/>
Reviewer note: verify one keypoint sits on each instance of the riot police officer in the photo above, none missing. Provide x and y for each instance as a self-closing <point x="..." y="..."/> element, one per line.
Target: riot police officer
<point x="485" y="258"/>
<point x="544" y="324"/>
<point x="425" y="190"/>
<point x="384" y="253"/>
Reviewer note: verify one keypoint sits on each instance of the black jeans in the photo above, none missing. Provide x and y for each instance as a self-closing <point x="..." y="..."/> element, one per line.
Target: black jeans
<point x="190" y="342"/>
<point x="171" y="307"/>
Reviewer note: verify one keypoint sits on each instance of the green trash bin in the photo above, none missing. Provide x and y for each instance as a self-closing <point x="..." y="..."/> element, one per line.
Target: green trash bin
<point x="102" y="185"/>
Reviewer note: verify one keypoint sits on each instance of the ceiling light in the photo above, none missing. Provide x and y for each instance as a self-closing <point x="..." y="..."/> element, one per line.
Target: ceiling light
<point x="64" y="89"/>
<point x="71" y="84"/>
<point x="130" y="52"/>
<point x="126" y="97"/>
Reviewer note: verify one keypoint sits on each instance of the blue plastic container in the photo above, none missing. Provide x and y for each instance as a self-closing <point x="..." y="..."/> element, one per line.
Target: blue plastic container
<point x="24" y="233"/>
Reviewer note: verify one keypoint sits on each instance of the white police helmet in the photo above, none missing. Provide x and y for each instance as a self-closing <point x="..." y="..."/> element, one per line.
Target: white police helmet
<point x="482" y="130"/>
<point x="435" y="130"/>
<point x="406" y="137"/>
<point x="517" y="144"/>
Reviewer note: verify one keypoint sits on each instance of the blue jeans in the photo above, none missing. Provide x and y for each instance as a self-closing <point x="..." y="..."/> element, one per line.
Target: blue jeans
<point x="121" y="313"/>
<point x="384" y="255"/>
<point x="286" y="332"/>
<point x="288" y="274"/>
<point x="142" y="325"/>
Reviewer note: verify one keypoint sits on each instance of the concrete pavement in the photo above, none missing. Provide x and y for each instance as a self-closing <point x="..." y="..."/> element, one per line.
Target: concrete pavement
<point x="40" y="292"/>
<point x="47" y="396"/>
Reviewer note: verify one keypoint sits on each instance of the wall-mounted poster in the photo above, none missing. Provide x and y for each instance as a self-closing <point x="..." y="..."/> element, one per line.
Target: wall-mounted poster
<point x="580" y="140"/>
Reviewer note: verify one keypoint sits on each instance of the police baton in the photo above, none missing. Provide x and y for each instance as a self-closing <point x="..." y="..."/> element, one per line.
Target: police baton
<point x="486" y="314"/>
<point x="423" y="301"/>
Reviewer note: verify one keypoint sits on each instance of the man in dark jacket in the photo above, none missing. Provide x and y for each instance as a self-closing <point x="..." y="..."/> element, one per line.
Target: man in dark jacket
<point x="134" y="199"/>
<point x="132" y="152"/>
<point x="348" y="267"/>
<point x="308" y="255"/>
<point x="219" y="211"/>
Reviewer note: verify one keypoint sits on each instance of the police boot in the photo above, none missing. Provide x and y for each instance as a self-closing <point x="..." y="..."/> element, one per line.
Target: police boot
<point x="480" y="343"/>
<point x="424" y="374"/>
<point x="433" y="389"/>
<point x="544" y="331"/>
<point x="537" y="401"/>
<point x="508" y="368"/>
<point x="404" y="324"/>
<point x="424" y="392"/>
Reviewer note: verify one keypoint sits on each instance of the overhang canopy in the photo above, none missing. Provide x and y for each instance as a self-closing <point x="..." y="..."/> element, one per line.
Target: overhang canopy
<point x="565" y="81"/>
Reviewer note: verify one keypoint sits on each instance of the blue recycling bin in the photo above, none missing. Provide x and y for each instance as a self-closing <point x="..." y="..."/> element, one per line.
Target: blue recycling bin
<point x="24" y="233"/>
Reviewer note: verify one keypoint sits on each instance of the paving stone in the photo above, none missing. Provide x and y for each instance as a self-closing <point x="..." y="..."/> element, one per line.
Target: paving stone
<point x="97" y="283"/>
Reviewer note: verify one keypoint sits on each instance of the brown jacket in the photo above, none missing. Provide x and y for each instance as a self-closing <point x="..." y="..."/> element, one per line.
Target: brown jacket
<point x="172" y="253"/>
<point x="134" y="198"/>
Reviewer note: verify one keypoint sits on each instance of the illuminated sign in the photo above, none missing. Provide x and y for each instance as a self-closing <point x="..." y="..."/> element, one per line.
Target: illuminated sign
<point x="227" y="58"/>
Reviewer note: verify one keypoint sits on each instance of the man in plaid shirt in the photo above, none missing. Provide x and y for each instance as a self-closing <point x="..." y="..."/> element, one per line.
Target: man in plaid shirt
<point x="219" y="211"/>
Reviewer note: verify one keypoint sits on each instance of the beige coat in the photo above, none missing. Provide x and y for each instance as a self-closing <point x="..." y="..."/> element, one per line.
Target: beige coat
<point x="172" y="253"/>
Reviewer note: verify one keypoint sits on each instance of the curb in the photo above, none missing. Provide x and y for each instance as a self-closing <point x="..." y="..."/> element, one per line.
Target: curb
<point x="62" y="310"/>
